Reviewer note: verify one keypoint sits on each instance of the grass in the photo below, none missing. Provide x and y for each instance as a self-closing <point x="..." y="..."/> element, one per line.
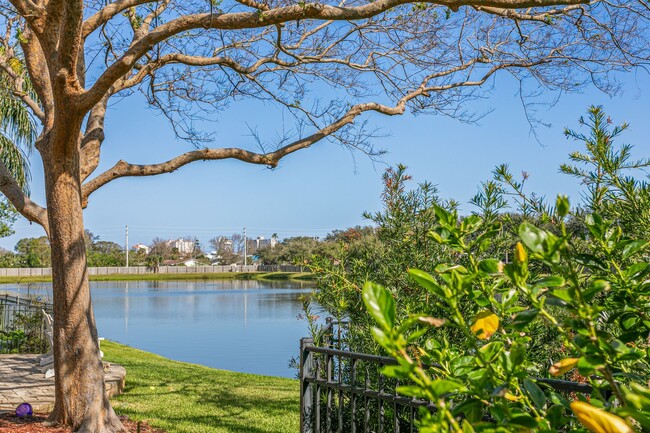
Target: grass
<point x="187" y="398"/>
<point x="160" y="277"/>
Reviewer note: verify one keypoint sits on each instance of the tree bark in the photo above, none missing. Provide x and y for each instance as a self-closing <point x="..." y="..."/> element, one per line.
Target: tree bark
<point x="79" y="376"/>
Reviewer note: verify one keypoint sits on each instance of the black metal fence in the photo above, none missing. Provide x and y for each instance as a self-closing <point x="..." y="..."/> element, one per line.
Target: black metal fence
<point x="344" y="392"/>
<point x="22" y="329"/>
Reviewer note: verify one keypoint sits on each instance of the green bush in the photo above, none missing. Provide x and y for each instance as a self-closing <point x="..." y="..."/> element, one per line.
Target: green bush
<point x="598" y="303"/>
<point x="25" y="334"/>
<point x="546" y="291"/>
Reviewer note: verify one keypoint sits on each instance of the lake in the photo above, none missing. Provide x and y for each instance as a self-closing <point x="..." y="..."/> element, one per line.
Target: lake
<point x="240" y="325"/>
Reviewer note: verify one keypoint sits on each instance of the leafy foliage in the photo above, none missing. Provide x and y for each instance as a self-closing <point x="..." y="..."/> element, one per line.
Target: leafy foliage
<point x="577" y="280"/>
<point x="597" y="302"/>
<point x="17" y="136"/>
<point x="608" y="172"/>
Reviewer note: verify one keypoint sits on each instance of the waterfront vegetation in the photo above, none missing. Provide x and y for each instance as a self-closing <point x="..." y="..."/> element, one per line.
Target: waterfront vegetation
<point x="188" y="398"/>
<point x="493" y="300"/>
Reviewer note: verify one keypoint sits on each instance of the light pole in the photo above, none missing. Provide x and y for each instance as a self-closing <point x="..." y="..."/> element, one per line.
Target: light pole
<point x="245" y="247"/>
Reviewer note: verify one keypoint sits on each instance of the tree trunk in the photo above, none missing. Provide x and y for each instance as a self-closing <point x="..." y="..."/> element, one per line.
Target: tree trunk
<point x="79" y="376"/>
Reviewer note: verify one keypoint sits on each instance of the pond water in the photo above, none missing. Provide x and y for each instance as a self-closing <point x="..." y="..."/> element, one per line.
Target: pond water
<point x="239" y="325"/>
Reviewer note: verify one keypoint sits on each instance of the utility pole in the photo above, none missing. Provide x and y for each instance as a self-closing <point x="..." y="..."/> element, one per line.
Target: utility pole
<point x="127" y="247"/>
<point x="245" y="247"/>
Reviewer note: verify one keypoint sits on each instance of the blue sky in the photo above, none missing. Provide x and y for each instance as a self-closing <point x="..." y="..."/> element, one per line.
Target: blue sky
<point x="324" y="187"/>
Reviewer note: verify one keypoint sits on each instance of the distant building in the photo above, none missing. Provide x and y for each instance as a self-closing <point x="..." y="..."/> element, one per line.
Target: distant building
<point x="254" y="245"/>
<point x="138" y="247"/>
<point x="182" y="246"/>
<point x="226" y="244"/>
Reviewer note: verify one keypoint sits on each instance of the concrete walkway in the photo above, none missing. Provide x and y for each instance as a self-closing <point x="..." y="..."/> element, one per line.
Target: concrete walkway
<point x="21" y="381"/>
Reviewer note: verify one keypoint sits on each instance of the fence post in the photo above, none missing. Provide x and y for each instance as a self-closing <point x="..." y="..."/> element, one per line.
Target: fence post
<point x="306" y="391"/>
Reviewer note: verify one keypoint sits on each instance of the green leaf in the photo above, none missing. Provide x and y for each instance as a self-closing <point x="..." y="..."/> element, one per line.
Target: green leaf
<point x="562" y="206"/>
<point x="522" y="319"/>
<point x="532" y="237"/>
<point x="523" y="420"/>
<point x="564" y="294"/>
<point x="637" y="271"/>
<point x="395" y="371"/>
<point x="441" y="387"/>
<point x="555" y="417"/>
<point x="490" y="266"/>
<point x="411" y="391"/>
<point x="426" y="281"/>
<point x="408" y="323"/>
<point x="380" y="304"/>
<point x="551" y="281"/>
<point x="590" y="261"/>
<point x="633" y="248"/>
<point x="437" y="236"/>
<point x="416" y="335"/>
<point x="491" y="350"/>
<point x="381" y="337"/>
<point x="588" y="364"/>
<point x="517" y="355"/>
<point x="594" y="288"/>
<point x="641" y="417"/>
<point x="462" y="365"/>
<point x="471" y="409"/>
<point x="535" y="392"/>
<point x="594" y="223"/>
<point x="445" y="217"/>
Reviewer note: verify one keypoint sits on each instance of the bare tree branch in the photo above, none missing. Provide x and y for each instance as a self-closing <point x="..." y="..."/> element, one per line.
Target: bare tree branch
<point x="23" y="204"/>
<point x="39" y="74"/>
<point x="275" y="16"/>
<point x="106" y="13"/>
<point x="93" y="138"/>
<point x="26" y="8"/>
<point x="271" y="159"/>
<point x="70" y="42"/>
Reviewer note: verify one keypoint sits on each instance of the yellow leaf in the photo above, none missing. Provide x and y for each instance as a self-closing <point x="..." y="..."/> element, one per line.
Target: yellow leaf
<point x="520" y="253"/>
<point x="561" y="367"/>
<point x="598" y="420"/>
<point x="485" y="324"/>
<point x="511" y="397"/>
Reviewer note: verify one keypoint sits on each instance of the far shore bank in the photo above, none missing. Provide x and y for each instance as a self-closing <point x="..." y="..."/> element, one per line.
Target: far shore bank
<point x="296" y="276"/>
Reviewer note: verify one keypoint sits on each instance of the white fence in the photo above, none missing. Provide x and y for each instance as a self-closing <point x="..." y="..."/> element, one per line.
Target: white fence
<point x="135" y="270"/>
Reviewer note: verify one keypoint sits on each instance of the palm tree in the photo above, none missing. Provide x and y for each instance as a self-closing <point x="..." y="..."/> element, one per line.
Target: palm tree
<point x="17" y="136"/>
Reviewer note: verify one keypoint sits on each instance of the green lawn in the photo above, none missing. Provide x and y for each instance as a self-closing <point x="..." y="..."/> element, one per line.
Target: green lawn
<point x="180" y="397"/>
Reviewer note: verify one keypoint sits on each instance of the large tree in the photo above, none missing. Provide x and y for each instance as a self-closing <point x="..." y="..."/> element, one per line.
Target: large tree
<point x="191" y="58"/>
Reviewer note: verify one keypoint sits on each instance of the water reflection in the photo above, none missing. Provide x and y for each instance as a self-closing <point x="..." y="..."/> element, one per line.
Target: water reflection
<point x="240" y="325"/>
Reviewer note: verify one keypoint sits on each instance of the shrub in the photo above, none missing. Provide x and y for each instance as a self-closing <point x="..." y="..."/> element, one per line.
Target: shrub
<point x="598" y="303"/>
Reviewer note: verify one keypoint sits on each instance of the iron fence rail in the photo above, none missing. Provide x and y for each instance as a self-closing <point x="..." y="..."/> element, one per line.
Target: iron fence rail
<point x="21" y="324"/>
<point x="342" y="391"/>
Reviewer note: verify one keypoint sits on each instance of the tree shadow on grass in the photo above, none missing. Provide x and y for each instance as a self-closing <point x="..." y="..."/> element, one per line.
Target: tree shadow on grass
<point x="187" y="398"/>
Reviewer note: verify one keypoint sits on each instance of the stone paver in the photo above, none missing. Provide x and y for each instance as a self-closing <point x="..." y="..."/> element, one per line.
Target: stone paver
<point x="21" y="380"/>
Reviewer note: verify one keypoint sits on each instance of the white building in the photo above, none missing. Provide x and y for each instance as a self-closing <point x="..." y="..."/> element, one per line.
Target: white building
<point x="183" y="247"/>
<point x="254" y="245"/>
<point x="138" y="247"/>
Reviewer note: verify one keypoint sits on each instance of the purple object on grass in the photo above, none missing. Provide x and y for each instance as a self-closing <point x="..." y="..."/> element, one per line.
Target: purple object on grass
<point x="23" y="410"/>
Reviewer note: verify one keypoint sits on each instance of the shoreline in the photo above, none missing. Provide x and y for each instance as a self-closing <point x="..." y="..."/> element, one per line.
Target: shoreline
<point x="264" y="276"/>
